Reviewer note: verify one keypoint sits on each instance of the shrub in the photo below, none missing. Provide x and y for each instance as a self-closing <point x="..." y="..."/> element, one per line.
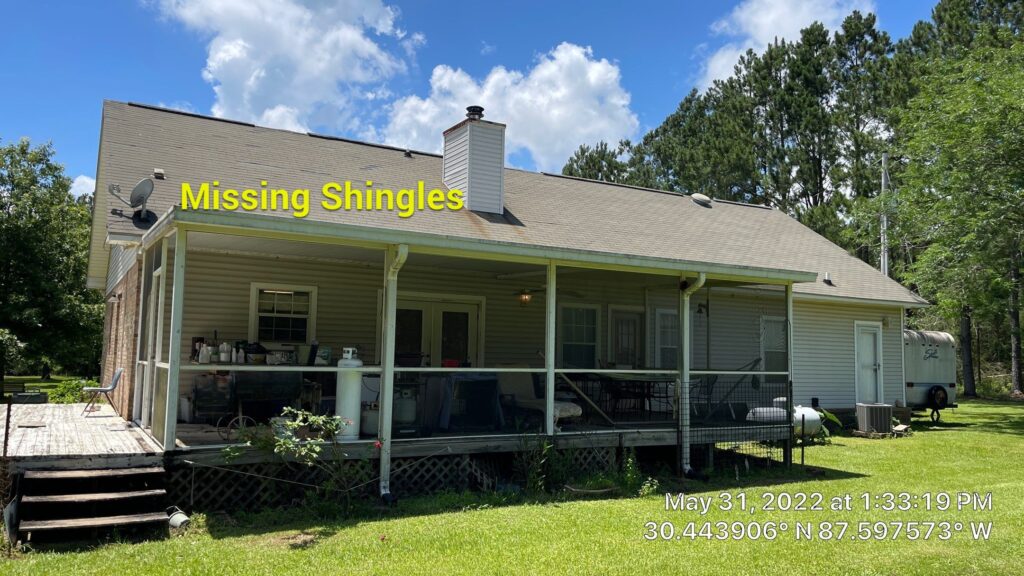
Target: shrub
<point x="70" y="391"/>
<point x="994" y="387"/>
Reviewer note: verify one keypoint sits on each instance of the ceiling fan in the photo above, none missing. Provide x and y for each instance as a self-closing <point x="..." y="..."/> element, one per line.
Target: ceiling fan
<point x="526" y="294"/>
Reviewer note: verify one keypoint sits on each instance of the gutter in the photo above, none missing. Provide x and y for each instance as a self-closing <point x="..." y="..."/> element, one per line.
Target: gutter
<point x="397" y="255"/>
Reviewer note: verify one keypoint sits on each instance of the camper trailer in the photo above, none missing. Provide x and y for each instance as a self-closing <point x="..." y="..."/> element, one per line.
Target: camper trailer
<point x="930" y="370"/>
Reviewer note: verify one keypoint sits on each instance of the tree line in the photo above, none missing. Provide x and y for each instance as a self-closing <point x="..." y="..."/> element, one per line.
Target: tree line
<point x="802" y="126"/>
<point x="49" y="320"/>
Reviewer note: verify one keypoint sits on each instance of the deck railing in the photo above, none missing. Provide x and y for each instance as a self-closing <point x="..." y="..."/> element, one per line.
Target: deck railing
<point x="433" y="402"/>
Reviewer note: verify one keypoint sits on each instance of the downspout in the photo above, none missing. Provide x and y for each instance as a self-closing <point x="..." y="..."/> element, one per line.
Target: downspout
<point x="396" y="257"/>
<point x="683" y="362"/>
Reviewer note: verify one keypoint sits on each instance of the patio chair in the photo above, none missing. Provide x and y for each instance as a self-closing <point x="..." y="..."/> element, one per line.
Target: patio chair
<point x="106" y="390"/>
<point x="520" y="385"/>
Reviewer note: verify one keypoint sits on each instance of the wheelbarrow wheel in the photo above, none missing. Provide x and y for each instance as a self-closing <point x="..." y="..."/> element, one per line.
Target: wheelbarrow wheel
<point x="228" y="428"/>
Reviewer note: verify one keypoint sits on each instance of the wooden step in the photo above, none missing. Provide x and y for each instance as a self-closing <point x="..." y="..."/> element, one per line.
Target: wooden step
<point x="99" y="522"/>
<point x="91" y="497"/>
<point x="96" y="473"/>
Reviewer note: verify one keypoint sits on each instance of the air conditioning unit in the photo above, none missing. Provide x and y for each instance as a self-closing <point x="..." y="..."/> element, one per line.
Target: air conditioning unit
<point x="874" y="418"/>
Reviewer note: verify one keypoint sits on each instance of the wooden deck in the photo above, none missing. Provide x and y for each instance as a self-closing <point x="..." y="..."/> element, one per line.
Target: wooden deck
<point x="59" y="436"/>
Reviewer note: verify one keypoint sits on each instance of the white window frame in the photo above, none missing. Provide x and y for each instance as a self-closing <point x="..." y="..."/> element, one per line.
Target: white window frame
<point x="771" y="318"/>
<point x="597" y="330"/>
<point x="785" y="342"/>
<point x="254" y="291"/>
<point x="657" y="333"/>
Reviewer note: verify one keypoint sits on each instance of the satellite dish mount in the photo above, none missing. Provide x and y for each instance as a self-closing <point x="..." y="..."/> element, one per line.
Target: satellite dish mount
<point x="137" y="199"/>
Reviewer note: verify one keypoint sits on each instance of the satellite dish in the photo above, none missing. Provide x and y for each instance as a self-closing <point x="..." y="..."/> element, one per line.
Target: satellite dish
<point x="137" y="199"/>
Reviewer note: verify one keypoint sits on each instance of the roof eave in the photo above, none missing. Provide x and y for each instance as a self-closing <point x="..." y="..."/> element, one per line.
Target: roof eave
<point x="424" y="242"/>
<point x="917" y="302"/>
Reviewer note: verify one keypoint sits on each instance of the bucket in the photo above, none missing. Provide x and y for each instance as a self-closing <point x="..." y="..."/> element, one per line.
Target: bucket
<point x="177" y="518"/>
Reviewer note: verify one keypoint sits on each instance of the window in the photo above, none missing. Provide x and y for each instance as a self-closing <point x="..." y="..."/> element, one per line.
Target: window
<point x="774" y="356"/>
<point x="282" y="314"/>
<point x="578" y="332"/>
<point x="666" y="338"/>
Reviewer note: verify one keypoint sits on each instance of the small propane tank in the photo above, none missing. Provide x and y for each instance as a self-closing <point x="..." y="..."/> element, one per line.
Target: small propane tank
<point x="404" y="410"/>
<point x="806" y="421"/>
<point x="349" y="393"/>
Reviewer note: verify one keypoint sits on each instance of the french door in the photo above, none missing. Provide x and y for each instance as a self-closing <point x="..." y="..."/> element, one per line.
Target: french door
<point x="436" y="334"/>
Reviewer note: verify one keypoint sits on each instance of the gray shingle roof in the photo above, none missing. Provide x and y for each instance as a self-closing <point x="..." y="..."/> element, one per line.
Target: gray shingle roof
<point x="548" y="211"/>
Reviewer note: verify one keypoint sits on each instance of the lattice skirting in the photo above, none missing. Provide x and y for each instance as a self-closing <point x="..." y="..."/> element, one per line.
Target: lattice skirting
<point x="253" y="486"/>
<point x="594" y="460"/>
<point x="440" y="473"/>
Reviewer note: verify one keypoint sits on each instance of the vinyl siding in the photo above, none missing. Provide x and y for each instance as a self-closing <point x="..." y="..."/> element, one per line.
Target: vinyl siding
<point x="122" y="259"/>
<point x="456" y="159"/>
<point x="824" y="362"/>
<point x="486" y="168"/>
<point x="734" y="316"/>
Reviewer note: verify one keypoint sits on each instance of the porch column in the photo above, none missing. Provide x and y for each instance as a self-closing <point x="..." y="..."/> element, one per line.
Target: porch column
<point x="550" y="316"/>
<point x="174" y="354"/>
<point x="787" y="455"/>
<point x="393" y="261"/>
<point x="683" y="363"/>
<point x="140" y="354"/>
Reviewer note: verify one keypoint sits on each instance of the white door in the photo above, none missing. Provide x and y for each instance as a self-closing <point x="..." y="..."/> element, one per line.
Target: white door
<point x="869" y="362"/>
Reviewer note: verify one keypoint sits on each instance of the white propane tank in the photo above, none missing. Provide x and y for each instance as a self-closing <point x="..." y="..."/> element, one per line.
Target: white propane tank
<point x="780" y="402"/>
<point x="806" y="421"/>
<point x="349" y="392"/>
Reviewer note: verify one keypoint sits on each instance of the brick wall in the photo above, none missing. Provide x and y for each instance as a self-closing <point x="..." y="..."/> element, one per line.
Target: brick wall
<point x="119" y="340"/>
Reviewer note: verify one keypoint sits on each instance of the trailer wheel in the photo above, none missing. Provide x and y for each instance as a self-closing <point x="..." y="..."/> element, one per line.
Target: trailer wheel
<point x="938" y="398"/>
<point x="936" y="415"/>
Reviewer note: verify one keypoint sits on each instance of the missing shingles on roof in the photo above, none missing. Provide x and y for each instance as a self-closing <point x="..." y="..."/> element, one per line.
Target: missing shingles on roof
<point x="747" y="204"/>
<point x="192" y="114"/>
<point x="615" y="184"/>
<point x="371" y="144"/>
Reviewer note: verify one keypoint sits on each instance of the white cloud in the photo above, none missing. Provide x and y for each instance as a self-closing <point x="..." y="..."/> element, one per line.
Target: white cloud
<point x="568" y="98"/>
<point x="287" y="64"/>
<point x="82" y="185"/>
<point x="754" y="24"/>
<point x="486" y="48"/>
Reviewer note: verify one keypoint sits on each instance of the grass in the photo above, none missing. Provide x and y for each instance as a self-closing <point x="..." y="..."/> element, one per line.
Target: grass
<point x="37" y="383"/>
<point x="980" y="448"/>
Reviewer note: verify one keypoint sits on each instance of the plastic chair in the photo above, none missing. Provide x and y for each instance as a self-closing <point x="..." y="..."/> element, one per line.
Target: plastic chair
<point x="106" y="390"/>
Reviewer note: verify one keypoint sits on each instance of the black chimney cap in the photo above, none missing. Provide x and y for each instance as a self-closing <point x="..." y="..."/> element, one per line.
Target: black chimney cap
<point x="474" y="112"/>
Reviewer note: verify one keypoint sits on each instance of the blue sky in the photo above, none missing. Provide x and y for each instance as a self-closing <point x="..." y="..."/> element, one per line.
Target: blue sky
<point x="558" y="73"/>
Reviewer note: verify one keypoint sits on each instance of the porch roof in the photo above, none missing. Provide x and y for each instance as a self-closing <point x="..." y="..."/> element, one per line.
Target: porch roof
<point x="546" y="216"/>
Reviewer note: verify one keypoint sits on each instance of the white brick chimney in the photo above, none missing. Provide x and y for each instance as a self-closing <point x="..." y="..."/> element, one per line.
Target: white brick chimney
<point x="474" y="161"/>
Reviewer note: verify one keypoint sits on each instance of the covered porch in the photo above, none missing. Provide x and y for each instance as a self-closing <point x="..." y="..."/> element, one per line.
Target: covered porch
<point x="466" y="348"/>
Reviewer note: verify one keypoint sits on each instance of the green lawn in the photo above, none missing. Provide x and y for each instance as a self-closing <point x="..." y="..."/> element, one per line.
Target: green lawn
<point x="978" y="448"/>
<point x="37" y="383"/>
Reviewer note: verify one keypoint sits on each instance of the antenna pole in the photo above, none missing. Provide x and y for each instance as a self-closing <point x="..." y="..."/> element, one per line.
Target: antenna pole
<point x="884" y="262"/>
